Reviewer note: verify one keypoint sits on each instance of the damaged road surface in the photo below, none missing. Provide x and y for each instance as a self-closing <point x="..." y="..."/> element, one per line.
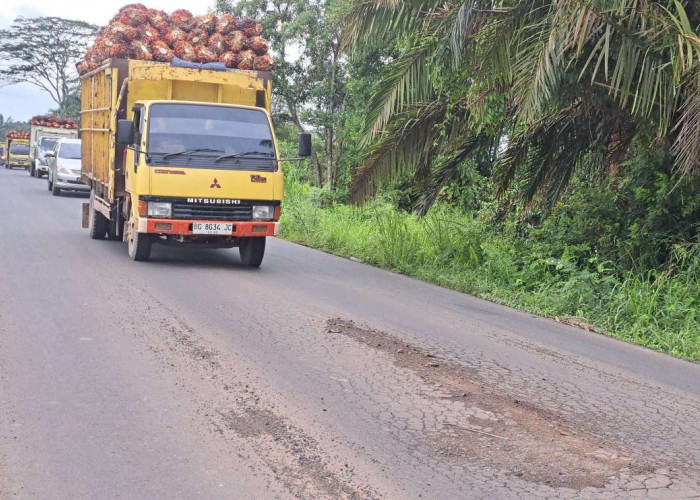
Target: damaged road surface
<point x="313" y="377"/>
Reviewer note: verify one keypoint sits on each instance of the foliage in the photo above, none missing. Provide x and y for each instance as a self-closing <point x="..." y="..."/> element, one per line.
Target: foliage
<point x="466" y="252"/>
<point x="43" y="51"/>
<point x="561" y="82"/>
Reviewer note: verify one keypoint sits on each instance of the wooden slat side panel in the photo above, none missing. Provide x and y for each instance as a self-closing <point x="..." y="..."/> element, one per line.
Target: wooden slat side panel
<point x="97" y="101"/>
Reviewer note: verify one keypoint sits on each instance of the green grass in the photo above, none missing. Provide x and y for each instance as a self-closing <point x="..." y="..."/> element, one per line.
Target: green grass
<point x="658" y="309"/>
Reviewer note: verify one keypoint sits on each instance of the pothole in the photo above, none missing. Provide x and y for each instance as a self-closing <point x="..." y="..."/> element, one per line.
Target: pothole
<point x="478" y="424"/>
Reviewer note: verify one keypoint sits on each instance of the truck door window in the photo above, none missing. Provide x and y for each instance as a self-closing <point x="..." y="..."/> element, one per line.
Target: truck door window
<point x="138" y="133"/>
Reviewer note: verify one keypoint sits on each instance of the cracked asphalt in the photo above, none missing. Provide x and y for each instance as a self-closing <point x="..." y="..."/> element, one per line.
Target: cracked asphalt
<point x="313" y="377"/>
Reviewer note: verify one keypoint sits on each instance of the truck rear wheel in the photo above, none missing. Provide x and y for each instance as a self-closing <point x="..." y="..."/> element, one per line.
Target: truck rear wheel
<point x="97" y="222"/>
<point x="139" y="246"/>
<point x="252" y="251"/>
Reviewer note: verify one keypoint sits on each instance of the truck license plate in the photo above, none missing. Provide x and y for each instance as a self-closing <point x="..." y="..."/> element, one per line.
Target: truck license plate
<point x="222" y="228"/>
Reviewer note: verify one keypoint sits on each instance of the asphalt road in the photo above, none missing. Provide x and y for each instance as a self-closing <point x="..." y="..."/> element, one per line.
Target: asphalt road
<point x="313" y="377"/>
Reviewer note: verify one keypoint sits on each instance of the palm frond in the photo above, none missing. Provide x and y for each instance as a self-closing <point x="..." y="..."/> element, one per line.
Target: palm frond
<point x="404" y="83"/>
<point x="406" y="144"/>
<point x="447" y="169"/>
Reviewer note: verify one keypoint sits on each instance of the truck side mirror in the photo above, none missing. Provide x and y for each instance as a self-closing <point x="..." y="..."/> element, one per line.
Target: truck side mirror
<point x="304" y="145"/>
<point x="125" y="132"/>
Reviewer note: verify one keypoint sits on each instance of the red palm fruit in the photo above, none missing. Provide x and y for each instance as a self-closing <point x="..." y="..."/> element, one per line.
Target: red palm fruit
<point x="230" y="59"/>
<point x="82" y="67"/>
<point x="141" y="51"/>
<point x="247" y="26"/>
<point x="236" y="41"/>
<point x="263" y="63"/>
<point x="182" y="18"/>
<point x="226" y="24"/>
<point x="247" y="58"/>
<point x="175" y="35"/>
<point x="185" y="51"/>
<point x="117" y="50"/>
<point x="258" y="45"/>
<point x="148" y="34"/>
<point x="197" y="37"/>
<point x="137" y="6"/>
<point x="133" y="17"/>
<point x="217" y="43"/>
<point x="205" y="54"/>
<point x="121" y="32"/>
<point x="161" y="51"/>
<point x="159" y="20"/>
<point x="206" y="23"/>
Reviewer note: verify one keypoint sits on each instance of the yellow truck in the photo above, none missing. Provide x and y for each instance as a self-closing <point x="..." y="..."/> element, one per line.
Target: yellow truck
<point x="17" y="153"/>
<point x="181" y="156"/>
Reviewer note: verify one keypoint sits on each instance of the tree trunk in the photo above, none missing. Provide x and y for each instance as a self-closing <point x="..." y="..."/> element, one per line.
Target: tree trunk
<point x="291" y="105"/>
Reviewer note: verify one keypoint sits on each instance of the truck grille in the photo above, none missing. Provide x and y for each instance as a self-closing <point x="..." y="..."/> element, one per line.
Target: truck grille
<point x="243" y="212"/>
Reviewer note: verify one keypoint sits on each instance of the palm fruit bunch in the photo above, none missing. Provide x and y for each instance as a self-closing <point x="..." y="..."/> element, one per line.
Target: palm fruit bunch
<point x="17" y="134"/>
<point x="54" y="122"/>
<point x="137" y="32"/>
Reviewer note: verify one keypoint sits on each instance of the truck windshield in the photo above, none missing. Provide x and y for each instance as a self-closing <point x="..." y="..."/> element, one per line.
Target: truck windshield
<point x="194" y="135"/>
<point x="69" y="151"/>
<point x="19" y="149"/>
<point x="46" y="143"/>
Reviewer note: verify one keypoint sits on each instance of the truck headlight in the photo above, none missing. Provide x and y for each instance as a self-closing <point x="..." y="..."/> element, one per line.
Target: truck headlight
<point x="263" y="212"/>
<point x="159" y="209"/>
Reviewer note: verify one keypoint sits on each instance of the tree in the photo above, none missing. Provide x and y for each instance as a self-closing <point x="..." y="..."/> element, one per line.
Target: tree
<point x="43" y="51"/>
<point x="565" y="81"/>
<point x="311" y="72"/>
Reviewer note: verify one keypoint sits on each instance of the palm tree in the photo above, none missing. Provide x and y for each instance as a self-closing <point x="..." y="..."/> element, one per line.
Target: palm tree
<point x="566" y="81"/>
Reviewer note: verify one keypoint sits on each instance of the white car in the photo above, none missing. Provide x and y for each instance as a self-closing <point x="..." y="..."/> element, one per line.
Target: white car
<point x="65" y="167"/>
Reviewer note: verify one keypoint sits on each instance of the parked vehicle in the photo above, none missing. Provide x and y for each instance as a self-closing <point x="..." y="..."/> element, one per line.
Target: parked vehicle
<point x="17" y="153"/>
<point x="64" y="173"/>
<point x="43" y="139"/>
<point x="178" y="155"/>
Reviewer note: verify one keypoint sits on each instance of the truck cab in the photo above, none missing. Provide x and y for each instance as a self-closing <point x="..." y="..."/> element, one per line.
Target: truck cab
<point x="197" y="171"/>
<point x="17" y="153"/>
<point x="44" y="144"/>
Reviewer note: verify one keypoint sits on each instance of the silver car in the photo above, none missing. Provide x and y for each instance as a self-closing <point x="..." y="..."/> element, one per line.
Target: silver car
<point x="65" y="167"/>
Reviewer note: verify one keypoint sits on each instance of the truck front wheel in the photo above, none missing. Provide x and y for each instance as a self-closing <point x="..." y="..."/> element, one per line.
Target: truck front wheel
<point x="252" y="251"/>
<point x="139" y="246"/>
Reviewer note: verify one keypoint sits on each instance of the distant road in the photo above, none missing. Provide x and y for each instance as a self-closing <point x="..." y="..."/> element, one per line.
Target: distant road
<point x="314" y="377"/>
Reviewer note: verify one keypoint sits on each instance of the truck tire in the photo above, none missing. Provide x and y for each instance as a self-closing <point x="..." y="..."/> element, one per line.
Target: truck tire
<point x="252" y="251"/>
<point x="139" y="246"/>
<point x="97" y="222"/>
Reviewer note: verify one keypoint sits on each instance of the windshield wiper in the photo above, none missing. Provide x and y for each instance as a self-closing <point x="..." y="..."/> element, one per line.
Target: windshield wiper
<point x="189" y="151"/>
<point x="259" y="154"/>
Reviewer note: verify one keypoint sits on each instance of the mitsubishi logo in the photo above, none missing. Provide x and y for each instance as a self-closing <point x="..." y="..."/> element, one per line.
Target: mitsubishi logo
<point x="215" y="184"/>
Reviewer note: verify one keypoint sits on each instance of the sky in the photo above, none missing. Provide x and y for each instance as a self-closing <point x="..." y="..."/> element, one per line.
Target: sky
<point x="23" y="101"/>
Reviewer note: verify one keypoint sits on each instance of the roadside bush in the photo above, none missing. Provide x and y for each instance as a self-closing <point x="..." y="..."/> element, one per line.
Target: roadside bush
<point x="566" y="279"/>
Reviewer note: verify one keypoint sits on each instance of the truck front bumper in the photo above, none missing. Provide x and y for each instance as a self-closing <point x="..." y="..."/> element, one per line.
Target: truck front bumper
<point x="184" y="227"/>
